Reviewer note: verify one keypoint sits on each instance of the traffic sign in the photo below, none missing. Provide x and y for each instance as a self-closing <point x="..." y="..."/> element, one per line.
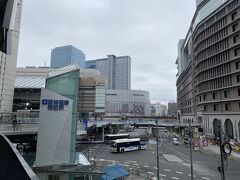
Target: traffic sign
<point x="196" y="143"/>
<point x="227" y="148"/>
<point x="205" y="142"/>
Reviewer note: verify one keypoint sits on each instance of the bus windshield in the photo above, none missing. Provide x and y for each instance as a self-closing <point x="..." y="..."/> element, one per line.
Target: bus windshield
<point x="113" y="145"/>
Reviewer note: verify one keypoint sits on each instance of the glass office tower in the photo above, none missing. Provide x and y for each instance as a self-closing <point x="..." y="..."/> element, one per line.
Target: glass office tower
<point x="67" y="55"/>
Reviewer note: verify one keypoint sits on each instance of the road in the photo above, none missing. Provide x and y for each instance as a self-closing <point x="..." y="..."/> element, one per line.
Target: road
<point x="174" y="160"/>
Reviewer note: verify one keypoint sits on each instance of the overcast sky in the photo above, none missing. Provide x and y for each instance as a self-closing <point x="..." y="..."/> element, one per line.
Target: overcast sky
<point x="146" y="30"/>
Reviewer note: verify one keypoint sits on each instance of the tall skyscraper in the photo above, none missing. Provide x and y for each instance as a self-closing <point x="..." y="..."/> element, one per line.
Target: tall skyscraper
<point x="67" y="55"/>
<point x="10" y="20"/>
<point x="208" y="79"/>
<point x="116" y="70"/>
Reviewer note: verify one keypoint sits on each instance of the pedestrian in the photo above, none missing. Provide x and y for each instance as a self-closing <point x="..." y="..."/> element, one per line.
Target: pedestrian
<point x="14" y="124"/>
<point x="20" y="124"/>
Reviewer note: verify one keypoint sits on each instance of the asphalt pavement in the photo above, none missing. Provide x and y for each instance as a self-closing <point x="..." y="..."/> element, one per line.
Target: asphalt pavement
<point x="174" y="160"/>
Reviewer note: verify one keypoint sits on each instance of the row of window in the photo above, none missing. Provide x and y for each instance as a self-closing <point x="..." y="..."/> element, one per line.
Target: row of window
<point x="217" y="72"/>
<point x="215" y="84"/>
<point x="222" y="45"/>
<point x="187" y="110"/>
<point x="184" y="85"/>
<point x="211" y="35"/>
<point x="211" y="40"/>
<point x="226" y="94"/>
<point x="232" y="5"/>
<point x="215" y="95"/>
<point x="215" y="60"/>
<point x="214" y="72"/>
<point x="216" y="107"/>
<point x="200" y="30"/>
<point x="211" y="20"/>
<point x="186" y="103"/>
<point x="184" y="97"/>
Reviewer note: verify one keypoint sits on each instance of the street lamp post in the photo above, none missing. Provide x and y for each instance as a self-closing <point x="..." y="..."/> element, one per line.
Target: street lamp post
<point x="190" y="146"/>
<point x="221" y="150"/>
<point x="179" y="128"/>
<point x="158" y="177"/>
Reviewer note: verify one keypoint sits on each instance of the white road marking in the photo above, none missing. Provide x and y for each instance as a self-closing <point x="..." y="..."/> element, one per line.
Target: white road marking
<point x="132" y="161"/>
<point x="175" y="178"/>
<point x="172" y="158"/>
<point x="191" y="175"/>
<point x="205" y="178"/>
<point x="185" y="164"/>
<point x="163" y="175"/>
<point x="179" y="172"/>
<point x="167" y="170"/>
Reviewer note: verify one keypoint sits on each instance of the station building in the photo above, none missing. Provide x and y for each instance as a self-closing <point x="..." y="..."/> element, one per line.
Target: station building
<point x="208" y="79"/>
<point x="30" y="81"/>
<point x="133" y="102"/>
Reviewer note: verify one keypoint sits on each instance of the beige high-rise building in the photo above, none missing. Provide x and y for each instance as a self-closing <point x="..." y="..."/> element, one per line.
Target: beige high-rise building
<point x="208" y="79"/>
<point x="9" y="40"/>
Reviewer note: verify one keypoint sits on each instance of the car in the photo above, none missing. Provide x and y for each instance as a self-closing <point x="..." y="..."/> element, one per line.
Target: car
<point x="175" y="141"/>
<point x="165" y="130"/>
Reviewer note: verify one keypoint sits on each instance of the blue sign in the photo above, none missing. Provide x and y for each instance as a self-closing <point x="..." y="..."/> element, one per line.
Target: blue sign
<point x="44" y="101"/>
<point x="66" y="102"/>
<point x="55" y="105"/>
<point x="85" y="123"/>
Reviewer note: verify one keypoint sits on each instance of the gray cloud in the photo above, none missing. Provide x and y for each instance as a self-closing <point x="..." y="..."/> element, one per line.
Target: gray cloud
<point x="148" y="31"/>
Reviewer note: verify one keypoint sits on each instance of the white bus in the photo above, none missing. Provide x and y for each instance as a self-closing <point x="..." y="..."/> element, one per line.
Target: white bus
<point x="122" y="145"/>
<point x="109" y="137"/>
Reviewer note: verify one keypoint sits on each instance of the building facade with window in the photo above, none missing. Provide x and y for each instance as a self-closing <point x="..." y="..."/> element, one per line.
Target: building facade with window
<point x="115" y="70"/>
<point x="30" y="81"/>
<point x="208" y="79"/>
<point x="131" y="102"/>
<point x="67" y="55"/>
<point x="10" y="20"/>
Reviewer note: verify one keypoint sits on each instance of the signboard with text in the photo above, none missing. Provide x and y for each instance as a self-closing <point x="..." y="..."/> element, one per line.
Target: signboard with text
<point x="55" y="105"/>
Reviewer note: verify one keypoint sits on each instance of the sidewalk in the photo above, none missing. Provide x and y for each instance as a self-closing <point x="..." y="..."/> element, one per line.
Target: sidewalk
<point x="215" y="150"/>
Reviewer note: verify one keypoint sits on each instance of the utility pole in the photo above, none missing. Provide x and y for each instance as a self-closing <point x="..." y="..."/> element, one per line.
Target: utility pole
<point x="179" y="128"/>
<point x="190" y="146"/>
<point x="221" y="150"/>
<point x="158" y="177"/>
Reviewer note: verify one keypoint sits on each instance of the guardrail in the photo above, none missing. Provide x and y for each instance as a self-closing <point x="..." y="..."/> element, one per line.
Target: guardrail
<point x="12" y="164"/>
<point x="18" y="127"/>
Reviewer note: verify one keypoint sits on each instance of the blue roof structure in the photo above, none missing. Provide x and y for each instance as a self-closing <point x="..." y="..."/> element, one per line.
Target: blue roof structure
<point x="114" y="172"/>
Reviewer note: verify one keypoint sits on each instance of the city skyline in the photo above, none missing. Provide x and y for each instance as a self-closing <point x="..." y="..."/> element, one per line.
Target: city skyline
<point x="144" y="33"/>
